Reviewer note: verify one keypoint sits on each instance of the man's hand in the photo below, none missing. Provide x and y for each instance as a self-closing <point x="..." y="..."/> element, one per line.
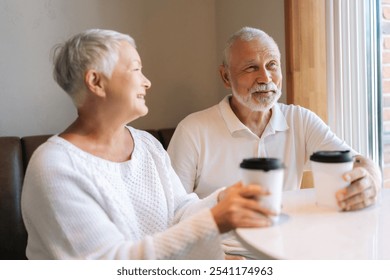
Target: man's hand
<point x="238" y="207"/>
<point x="365" y="183"/>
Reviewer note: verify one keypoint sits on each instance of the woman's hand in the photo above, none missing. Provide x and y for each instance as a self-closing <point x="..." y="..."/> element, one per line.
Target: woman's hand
<point x="238" y="207"/>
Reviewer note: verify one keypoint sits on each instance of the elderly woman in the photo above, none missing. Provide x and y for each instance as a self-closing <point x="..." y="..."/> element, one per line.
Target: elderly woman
<point x="104" y="190"/>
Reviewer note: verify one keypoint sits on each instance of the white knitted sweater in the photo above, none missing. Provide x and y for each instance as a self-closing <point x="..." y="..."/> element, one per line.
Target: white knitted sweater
<point x="78" y="206"/>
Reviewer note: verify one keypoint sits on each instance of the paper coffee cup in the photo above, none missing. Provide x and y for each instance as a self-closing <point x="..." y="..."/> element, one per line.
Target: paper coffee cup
<point x="328" y="169"/>
<point x="268" y="173"/>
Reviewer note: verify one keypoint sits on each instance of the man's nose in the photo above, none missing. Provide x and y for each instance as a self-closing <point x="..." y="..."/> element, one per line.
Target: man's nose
<point x="263" y="77"/>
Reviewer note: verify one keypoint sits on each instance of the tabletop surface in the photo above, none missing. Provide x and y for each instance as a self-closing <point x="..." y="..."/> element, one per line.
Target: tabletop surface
<point x="307" y="231"/>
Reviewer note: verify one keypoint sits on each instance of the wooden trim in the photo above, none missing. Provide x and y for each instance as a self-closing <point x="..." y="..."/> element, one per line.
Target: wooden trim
<point x="306" y="55"/>
<point x="305" y="29"/>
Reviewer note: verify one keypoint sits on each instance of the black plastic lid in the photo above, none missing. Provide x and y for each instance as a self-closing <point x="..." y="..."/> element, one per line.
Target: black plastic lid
<point x="264" y="164"/>
<point x="331" y="156"/>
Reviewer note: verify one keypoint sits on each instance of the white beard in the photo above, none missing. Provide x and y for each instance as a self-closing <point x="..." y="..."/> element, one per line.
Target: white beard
<point x="257" y="101"/>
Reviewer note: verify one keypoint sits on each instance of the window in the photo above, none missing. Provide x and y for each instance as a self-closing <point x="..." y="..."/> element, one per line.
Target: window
<point x="353" y="75"/>
<point x="385" y="56"/>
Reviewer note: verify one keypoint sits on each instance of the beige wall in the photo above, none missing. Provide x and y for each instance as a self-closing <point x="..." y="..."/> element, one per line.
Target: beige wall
<point x="180" y="42"/>
<point x="178" y="47"/>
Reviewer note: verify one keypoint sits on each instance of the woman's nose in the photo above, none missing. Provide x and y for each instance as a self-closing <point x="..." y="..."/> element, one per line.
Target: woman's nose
<point x="147" y="83"/>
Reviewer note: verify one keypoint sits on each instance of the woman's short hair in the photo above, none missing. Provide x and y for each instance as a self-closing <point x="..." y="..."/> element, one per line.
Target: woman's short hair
<point x="246" y="34"/>
<point x="92" y="49"/>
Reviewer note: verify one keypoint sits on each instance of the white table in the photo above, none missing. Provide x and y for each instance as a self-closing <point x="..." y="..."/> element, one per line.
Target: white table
<point x="307" y="231"/>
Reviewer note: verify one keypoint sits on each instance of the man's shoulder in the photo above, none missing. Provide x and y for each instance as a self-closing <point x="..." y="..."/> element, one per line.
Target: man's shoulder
<point x="293" y="109"/>
<point x="295" y="114"/>
<point x="201" y="116"/>
<point x="289" y="107"/>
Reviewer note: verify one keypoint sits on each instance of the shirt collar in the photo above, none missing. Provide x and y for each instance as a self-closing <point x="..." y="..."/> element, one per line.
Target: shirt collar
<point x="277" y="122"/>
<point x="231" y="120"/>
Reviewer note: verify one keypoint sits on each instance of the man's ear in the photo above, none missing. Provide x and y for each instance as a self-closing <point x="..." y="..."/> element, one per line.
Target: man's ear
<point x="94" y="82"/>
<point x="225" y="76"/>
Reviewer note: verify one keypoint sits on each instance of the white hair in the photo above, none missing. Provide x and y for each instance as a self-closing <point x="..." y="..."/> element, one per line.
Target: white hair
<point x="92" y="49"/>
<point x="246" y="34"/>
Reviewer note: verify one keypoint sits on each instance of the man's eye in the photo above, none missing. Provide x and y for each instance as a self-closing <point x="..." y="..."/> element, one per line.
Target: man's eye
<point x="273" y="65"/>
<point x="251" y="69"/>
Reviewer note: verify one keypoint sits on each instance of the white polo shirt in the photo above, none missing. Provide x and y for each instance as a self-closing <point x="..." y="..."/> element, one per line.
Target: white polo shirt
<point x="208" y="146"/>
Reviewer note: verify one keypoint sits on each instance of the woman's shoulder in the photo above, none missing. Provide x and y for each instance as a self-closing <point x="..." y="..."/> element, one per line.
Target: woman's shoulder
<point x="52" y="148"/>
<point x="51" y="153"/>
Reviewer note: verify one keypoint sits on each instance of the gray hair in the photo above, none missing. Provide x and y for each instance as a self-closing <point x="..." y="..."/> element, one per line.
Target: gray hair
<point x="92" y="49"/>
<point x="246" y="34"/>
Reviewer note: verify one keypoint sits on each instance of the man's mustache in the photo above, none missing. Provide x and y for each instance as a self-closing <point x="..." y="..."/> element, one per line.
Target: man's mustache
<point x="264" y="87"/>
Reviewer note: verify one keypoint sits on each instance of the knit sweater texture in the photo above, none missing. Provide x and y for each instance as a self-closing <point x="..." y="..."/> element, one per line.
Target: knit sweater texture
<point x="79" y="206"/>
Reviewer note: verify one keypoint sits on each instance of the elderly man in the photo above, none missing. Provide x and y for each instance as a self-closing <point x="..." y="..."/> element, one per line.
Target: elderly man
<point x="208" y="146"/>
